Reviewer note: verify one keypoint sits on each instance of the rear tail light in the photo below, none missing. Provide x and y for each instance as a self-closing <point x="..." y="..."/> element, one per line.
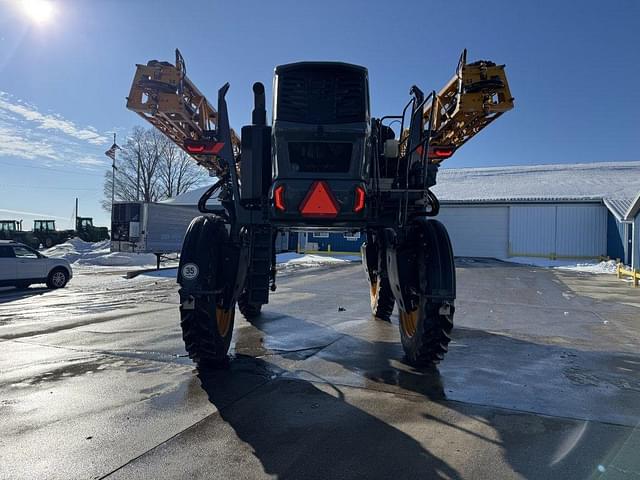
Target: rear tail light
<point x="359" y="203"/>
<point x="278" y="198"/>
<point x="440" y="153"/>
<point x="203" y="147"/>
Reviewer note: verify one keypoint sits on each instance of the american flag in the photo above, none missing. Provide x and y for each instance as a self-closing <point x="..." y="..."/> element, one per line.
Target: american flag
<point x="111" y="153"/>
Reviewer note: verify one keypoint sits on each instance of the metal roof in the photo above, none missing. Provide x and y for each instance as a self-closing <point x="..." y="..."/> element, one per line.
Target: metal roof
<point x="566" y="181"/>
<point x="523" y="200"/>
<point x="618" y="207"/>
<point x="633" y="209"/>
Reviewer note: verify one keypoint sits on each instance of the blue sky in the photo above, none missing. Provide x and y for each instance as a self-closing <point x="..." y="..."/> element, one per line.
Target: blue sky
<point x="573" y="69"/>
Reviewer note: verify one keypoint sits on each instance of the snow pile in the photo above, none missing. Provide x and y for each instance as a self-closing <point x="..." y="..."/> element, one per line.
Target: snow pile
<point x="602" y="267"/>
<point x="76" y="249"/>
<point x="291" y="261"/>
<point x="608" y="266"/>
<point x="79" y="252"/>
<point x="299" y="259"/>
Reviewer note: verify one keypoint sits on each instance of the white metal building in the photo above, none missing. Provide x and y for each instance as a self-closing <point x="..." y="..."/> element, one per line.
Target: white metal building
<point x="580" y="211"/>
<point x="560" y="228"/>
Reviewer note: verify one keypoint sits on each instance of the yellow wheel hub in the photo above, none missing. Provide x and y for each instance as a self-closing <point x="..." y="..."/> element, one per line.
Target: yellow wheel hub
<point x="224" y="319"/>
<point x="374" y="293"/>
<point x="409" y="322"/>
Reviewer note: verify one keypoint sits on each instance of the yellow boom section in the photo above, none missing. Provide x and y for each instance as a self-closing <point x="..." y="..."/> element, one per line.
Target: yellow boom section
<point x="163" y="95"/>
<point x="476" y="95"/>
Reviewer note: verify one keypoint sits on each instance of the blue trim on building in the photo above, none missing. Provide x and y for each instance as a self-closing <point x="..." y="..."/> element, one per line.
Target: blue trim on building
<point x="618" y="239"/>
<point x="336" y="242"/>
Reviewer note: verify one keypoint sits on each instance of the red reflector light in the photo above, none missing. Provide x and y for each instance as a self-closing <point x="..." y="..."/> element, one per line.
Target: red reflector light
<point x="319" y="201"/>
<point x="358" y="205"/>
<point x="203" y="147"/>
<point x="278" y="198"/>
<point x="441" y="153"/>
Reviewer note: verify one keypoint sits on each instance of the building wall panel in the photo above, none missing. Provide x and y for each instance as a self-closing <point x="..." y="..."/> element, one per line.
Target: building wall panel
<point x="532" y="230"/>
<point x="477" y="231"/>
<point x="635" y="261"/>
<point x="616" y="238"/>
<point x="581" y="231"/>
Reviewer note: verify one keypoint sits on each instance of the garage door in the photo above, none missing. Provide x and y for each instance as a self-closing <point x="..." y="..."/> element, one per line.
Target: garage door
<point x="477" y="231"/>
<point x="581" y="231"/>
<point x="558" y="231"/>
<point x="532" y="231"/>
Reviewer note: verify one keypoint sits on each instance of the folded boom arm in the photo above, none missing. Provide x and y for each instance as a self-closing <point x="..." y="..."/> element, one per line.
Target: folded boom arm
<point x="163" y="95"/>
<point x="476" y="95"/>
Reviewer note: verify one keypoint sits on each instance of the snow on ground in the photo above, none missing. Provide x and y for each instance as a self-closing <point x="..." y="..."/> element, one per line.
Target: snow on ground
<point x="287" y="262"/>
<point x="587" y="267"/>
<point x="81" y="253"/>
<point x="604" y="179"/>
<point x="89" y="255"/>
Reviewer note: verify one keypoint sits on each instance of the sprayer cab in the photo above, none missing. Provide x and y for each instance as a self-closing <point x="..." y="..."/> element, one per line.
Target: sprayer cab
<point x="321" y="123"/>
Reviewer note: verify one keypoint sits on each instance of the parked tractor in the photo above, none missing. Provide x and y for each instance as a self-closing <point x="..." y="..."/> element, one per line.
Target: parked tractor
<point x="12" y="230"/>
<point x="87" y="232"/>
<point x="323" y="164"/>
<point x="46" y="233"/>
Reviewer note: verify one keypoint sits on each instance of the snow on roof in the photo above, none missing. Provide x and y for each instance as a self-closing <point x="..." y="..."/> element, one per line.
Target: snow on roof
<point x="613" y="180"/>
<point x="633" y="209"/>
<point x="191" y="197"/>
<point x="618" y="206"/>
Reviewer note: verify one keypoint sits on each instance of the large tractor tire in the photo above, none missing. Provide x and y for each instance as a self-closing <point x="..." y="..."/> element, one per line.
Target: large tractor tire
<point x="381" y="295"/>
<point x="426" y="271"/>
<point x="206" y="318"/>
<point x="425" y="332"/>
<point x="248" y="310"/>
<point x="382" y="299"/>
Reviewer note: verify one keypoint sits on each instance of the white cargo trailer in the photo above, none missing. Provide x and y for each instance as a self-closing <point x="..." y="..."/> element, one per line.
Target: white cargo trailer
<point x="146" y="227"/>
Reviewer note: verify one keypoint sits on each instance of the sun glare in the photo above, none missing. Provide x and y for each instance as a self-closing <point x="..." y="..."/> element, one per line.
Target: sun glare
<point x="39" y="11"/>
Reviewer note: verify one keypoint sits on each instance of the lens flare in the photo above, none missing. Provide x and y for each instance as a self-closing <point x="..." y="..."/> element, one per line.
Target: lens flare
<point x="39" y="11"/>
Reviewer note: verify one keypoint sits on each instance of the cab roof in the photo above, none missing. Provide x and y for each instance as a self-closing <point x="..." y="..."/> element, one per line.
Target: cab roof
<point x="287" y="67"/>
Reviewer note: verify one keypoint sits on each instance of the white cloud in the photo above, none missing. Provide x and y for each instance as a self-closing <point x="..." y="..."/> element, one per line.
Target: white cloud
<point x="15" y="144"/>
<point x="48" y="140"/>
<point x="92" y="161"/>
<point x="51" y="122"/>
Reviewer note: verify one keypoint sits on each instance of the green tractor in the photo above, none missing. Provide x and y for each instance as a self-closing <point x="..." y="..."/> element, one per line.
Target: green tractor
<point x="12" y="230"/>
<point x="47" y="235"/>
<point x="88" y="232"/>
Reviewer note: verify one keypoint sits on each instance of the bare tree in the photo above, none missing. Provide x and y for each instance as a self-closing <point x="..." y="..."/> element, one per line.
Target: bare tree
<point x="178" y="172"/>
<point x="162" y="168"/>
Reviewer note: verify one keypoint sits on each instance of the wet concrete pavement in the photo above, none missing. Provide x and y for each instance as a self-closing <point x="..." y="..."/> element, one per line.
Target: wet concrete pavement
<point x="542" y="381"/>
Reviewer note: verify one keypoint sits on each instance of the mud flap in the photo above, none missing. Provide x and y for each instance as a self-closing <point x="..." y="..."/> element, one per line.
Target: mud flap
<point x="422" y="265"/>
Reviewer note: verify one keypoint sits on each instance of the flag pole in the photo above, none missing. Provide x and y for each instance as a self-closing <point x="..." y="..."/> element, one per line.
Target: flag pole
<point x="113" y="175"/>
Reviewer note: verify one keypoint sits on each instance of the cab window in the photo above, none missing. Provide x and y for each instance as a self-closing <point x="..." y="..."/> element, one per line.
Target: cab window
<point x="6" y="251"/>
<point x="24" y="252"/>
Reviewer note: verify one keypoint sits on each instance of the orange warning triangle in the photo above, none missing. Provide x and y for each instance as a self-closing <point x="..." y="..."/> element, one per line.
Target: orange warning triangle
<point x="319" y="201"/>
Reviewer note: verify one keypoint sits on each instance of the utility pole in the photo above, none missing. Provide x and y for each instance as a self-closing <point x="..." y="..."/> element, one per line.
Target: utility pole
<point x="75" y="222"/>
